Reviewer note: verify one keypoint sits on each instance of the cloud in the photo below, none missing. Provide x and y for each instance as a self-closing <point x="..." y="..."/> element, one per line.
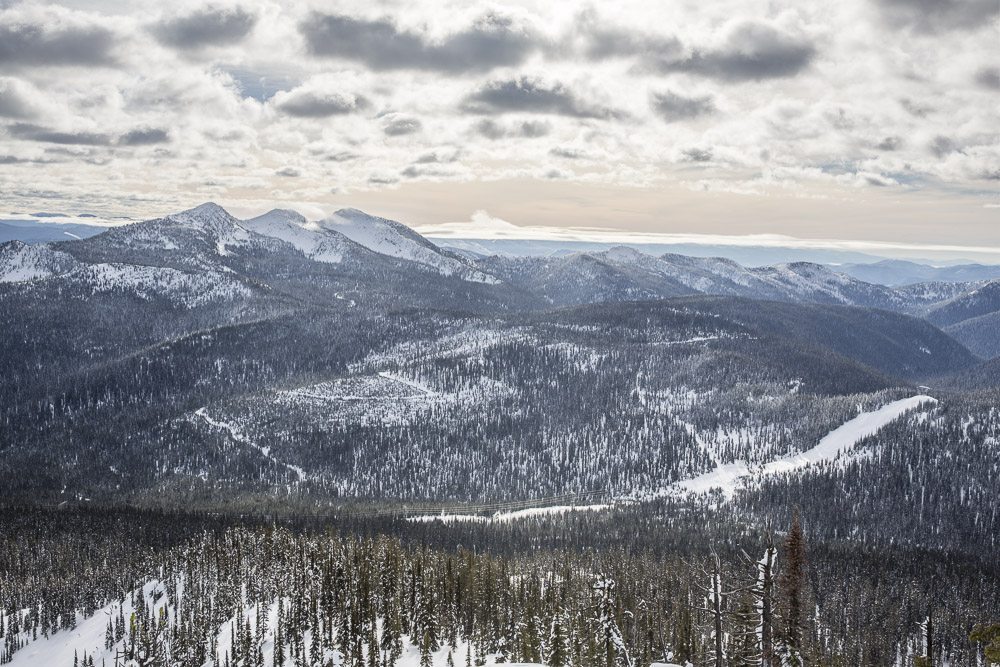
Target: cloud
<point x="442" y="156"/>
<point x="137" y="137"/>
<point x="890" y="143"/>
<point x="988" y="77"/>
<point x="31" y="132"/>
<point x="601" y="41"/>
<point x="400" y="126"/>
<point x="209" y="26"/>
<point x="15" y="99"/>
<point x="382" y="179"/>
<point x="525" y="129"/>
<point x="315" y="100"/>
<point x="916" y="109"/>
<point x="933" y="16"/>
<point x="941" y="146"/>
<point x="53" y="41"/>
<point x="290" y="172"/>
<point x="750" y="51"/>
<point x="673" y="107"/>
<point x="529" y="95"/>
<point x="567" y="152"/>
<point x="696" y="155"/>
<point x="146" y="136"/>
<point x="492" y="41"/>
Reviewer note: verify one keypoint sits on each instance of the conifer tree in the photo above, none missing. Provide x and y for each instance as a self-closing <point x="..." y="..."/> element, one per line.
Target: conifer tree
<point x="792" y="592"/>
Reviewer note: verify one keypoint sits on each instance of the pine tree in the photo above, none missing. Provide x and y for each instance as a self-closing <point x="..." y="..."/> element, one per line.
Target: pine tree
<point x="763" y="596"/>
<point x="609" y="636"/>
<point x="792" y="592"/>
<point x="557" y="649"/>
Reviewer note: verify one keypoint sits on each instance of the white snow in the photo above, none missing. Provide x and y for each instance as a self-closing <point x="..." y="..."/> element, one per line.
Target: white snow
<point x="394" y="239"/>
<point x="147" y="282"/>
<point x="58" y="649"/>
<point x="20" y="262"/>
<point x="729" y="477"/>
<point x="509" y="516"/>
<point x="312" y="241"/>
<point x="88" y="636"/>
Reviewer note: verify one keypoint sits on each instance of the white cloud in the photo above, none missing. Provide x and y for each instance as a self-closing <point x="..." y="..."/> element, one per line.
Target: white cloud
<point x="790" y="100"/>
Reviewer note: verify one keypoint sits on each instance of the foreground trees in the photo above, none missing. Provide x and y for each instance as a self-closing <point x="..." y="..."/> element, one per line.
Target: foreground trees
<point x="196" y="591"/>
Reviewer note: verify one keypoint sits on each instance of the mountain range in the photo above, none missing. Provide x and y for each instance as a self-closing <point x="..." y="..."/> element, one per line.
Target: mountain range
<point x="205" y="360"/>
<point x="206" y="255"/>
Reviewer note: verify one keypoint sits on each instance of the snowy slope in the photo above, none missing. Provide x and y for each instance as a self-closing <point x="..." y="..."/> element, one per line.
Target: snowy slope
<point x="58" y="649"/>
<point x="316" y="243"/>
<point x="729" y="478"/>
<point x="20" y="262"/>
<point x="186" y="289"/>
<point x="198" y="236"/>
<point x="67" y="647"/>
<point x="527" y="513"/>
<point x="394" y="239"/>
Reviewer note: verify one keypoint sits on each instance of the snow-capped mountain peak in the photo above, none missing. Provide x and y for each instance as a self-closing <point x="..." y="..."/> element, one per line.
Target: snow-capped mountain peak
<point x="313" y="241"/>
<point x="208" y="214"/>
<point x="388" y="237"/>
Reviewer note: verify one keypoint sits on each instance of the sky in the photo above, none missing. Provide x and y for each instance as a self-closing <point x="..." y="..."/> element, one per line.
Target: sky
<point x="861" y="121"/>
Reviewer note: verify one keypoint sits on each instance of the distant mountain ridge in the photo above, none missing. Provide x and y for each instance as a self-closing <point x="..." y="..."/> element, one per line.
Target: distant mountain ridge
<point x="897" y="272"/>
<point x="352" y="256"/>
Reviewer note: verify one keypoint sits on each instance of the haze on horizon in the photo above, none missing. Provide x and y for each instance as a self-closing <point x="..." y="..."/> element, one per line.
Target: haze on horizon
<point x="868" y="121"/>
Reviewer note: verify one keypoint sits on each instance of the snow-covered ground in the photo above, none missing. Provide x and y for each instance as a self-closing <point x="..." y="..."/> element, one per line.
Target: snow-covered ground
<point x="729" y="477"/>
<point x="314" y="242"/>
<point x="391" y="238"/>
<point x="57" y="650"/>
<point x="88" y="637"/>
<point x="21" y="263"/>
<point x="514" y="515"/>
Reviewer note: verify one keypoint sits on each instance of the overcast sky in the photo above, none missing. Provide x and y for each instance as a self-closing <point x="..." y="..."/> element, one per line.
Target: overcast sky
<point x="873" y="120"/>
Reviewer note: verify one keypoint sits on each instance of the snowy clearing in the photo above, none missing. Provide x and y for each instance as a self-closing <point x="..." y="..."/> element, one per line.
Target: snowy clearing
<point x="514" y="515"/>
<point x="729" y="477"/>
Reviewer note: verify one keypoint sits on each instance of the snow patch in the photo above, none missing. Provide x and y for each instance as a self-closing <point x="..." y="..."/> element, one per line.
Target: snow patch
<point x="729" y="477"/>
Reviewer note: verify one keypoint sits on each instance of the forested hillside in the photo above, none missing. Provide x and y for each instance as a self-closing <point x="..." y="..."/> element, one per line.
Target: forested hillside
<point x="276" y="441"/>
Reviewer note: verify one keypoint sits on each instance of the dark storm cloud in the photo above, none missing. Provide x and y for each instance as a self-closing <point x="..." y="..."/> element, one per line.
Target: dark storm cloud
<point x="989" y="78"/>
<point x="493" y="41"/>
<point x="525" y="94"/>
<point x="401" y="126"/>
<point x="146" y="136"/>
<point x="673" y="107"/>
<point x="932" y="16"/>
<point x="320" y="104"/>
<point x="210" y="26"/>
<point x="31" y="132"/>
<point x="25" y="43"/>
<point x="13" y="103"/>
<point x="752" y="51"/>
<point x="528" y="129"/>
